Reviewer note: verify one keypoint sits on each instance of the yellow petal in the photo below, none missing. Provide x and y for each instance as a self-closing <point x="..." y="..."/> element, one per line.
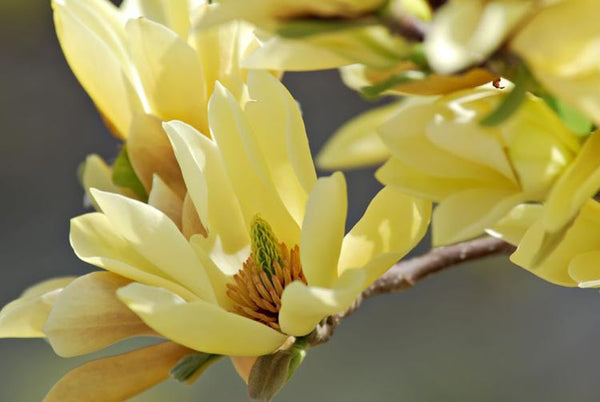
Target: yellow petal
<point x="151" y="153"/>
<point x="515" y="224"/>
<point x="199" y="325"/>
<point x="581" y="237"/>
<point x="467" y="214"/>
<point x="92" y="53"/>
<point x="120" y="377"/>
<point x="246" y="166"/>
<point x="575" y="186"/>
<point x="169" y="70"/>
<point x="96" y="174"/>
<point x="172" y="14"/>
<point x="165" y="200"/>
<point x="25" y="316"/>
<point x="293" y="55"/>
<point x="87" y="316"/>
<point x="152" y="234"/>
<point x="278" y="127"/>
<point x="302" y="306"/>
<point x="323" y="230"/>
<point x="95" y="241"/>
<point x="357" y="144"/>
<point x="408" y="143"/>
<point x="390" y="227"/>
<point x="190" y="221"/>
<point x="585" y="269"/>
<point x="208" y="185"/>
<point x="243" y="365"/>
<point x="420" y="184"/>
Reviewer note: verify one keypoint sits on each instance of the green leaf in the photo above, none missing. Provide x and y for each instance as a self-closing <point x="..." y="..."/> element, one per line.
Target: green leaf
<point x="512" y="101"/>
<point x="123" y="175"/>
<point x="572" y="118"/>
<point x="190" y="367"/>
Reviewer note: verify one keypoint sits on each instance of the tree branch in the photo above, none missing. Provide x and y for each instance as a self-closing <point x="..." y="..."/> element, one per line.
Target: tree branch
<point x="405" y="274"/>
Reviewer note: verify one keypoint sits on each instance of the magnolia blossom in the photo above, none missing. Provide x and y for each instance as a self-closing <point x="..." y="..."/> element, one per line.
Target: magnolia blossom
<point x="268" y="259"/>
<point x="560" y="46"/>
<point x="476" y="174"/>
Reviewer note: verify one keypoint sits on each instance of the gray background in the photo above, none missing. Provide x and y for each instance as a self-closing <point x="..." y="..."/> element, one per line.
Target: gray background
<point x="481" y="332"/>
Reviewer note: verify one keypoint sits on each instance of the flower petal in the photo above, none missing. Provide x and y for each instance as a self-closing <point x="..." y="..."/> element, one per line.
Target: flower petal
<point x="87" y="316"/>
<point x="199" y="325"/>
<point x="575" y="186"/>
<point x="467" y="214"/>
<point x="302" y="306"/>
<point x="271" y="113"/>
<point x="165" y="200"/>
<point x="93" y="50"/>
<point x="323" y="230"/>
<point x="96" y="241"/>
<point x="172" y="14"/>
<point x="152" y="234"/>
<point x="208" y="185"/>
<point x="151" y="153"/>
<point x="357" y="143"/>
<point x="390" y="227"/>
<point x="246" y="166"/>
<point x="515" y="224"/>
<point x="96" y="174"/>
<point x="585" y="269"/>
<point x="25" y="316"/>
<point x="120" y="377"/>
<point x="169" y="70"/>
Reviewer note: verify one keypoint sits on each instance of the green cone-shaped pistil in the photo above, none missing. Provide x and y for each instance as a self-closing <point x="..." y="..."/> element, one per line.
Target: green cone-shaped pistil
<point x="265" y="247"/>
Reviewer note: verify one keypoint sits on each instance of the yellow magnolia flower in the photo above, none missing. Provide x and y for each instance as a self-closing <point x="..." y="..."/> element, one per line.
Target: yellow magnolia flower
<point x="571" y="259"/>
<point x="441" y="152"/>
<point x="465" y="33"/>
<point x="559" y="44"/>
<point x="271" y="261"/>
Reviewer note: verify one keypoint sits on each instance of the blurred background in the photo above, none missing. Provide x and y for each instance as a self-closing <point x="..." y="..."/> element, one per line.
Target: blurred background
<point x="485" y="331"/>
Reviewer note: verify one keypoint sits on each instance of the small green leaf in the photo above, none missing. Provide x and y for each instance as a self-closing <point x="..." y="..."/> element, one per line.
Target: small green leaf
<point x="123" y="175"/>
<point x="269" y="374"/>
<point x="190" y="367"/>
<point x="572" y="118"/>
<point x="512" y="101"/>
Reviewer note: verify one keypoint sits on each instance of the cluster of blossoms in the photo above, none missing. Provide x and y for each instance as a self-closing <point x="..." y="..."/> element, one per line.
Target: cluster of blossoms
<point x="211" y="226"/>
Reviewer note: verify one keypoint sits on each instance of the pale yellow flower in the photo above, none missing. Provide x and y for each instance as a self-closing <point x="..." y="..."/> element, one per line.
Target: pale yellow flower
<point x="560" y="45"/>
<point x="254" y="174"/>
<point x="570" y="259"/>
<point x="465" y="33"/>
<point x="441" y="152"/>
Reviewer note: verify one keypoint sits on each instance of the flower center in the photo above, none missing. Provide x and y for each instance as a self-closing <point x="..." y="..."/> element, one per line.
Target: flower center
<point x="258" y="286"/>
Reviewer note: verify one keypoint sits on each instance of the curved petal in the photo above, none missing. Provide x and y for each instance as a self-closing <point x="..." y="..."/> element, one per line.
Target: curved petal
<point x="96" y="174"/>
<point x="87" y="316"/>
<point x="302" y="306"/>
<point x="357" y="143"/>
<point x="92" y="53"/>
<point x="585" y="269"/>
<point x="579" y="182"/>
<point x="120" y="377"/>
<point x="323" y="230"/>
<point x="390" y="227"/>
<point x="169" y="70"/>
<point x="515" y="224"/>
<point x="199" y="325"/>
<point x="293" y="55"/>
<point x="150" y="153"/>
<point x="208" y="185"/>
<point x="246" y="166"/>
<point x="152" y="234"/>
<point x="25" y="316"/>
<point x="172" y="14"/>
<point x="421" y="184"/>
<point x="165" y="200"/>
<point x="271" y="113"/>
<point x="467" y="214"/>
<point x="97" y="242"/>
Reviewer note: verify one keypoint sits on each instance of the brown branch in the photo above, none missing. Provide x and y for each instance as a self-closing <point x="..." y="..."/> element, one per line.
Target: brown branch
<point x="405" y="274"/>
